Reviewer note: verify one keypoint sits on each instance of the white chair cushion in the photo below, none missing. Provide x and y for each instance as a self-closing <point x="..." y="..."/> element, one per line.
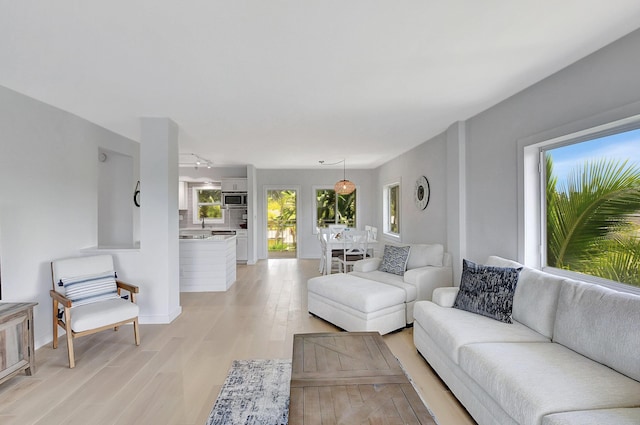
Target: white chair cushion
<point x="96" y="315"/>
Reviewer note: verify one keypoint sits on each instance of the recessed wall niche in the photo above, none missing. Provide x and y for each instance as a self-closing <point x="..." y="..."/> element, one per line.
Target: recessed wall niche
<point x="115" y="199"/>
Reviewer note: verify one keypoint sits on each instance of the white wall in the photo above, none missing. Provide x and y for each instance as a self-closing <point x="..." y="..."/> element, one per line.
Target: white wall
<point x="308" y="245"/>
<point x="48" y="195"/>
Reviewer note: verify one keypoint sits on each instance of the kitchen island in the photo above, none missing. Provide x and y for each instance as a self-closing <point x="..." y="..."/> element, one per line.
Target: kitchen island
<point x="207" y="263"/>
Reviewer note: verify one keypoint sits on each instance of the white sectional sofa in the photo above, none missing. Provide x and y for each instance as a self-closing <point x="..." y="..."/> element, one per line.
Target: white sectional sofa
<point x="368" y="299"/>
<point x="571" y="355"/>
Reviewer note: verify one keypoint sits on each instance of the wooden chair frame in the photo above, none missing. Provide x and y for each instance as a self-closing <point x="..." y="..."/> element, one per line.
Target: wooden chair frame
<point x="65" y="323"/>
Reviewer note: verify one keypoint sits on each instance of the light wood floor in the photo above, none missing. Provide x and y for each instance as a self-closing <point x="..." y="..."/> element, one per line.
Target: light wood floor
<point x="175" y="375"/>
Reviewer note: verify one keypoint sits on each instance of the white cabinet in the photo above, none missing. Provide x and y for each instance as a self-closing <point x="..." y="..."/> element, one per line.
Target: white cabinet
<point x="183" y="196"/>
<point x="242" y="246"/>
<point x="234" y="185"/>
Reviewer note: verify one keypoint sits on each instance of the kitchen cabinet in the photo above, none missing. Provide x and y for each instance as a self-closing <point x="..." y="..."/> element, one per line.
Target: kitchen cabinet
<point x="183" y="196"/>
<point x="17" y="352"/>
<point x="234" y="185"/>
<point x="242" y="246"/>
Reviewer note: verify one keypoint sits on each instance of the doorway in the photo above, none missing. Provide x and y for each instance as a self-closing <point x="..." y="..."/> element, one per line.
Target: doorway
<point x="282" y="228"/>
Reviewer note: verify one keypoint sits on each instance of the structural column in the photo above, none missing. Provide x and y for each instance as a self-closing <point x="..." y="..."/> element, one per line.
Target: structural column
<point x="159" y="248"/>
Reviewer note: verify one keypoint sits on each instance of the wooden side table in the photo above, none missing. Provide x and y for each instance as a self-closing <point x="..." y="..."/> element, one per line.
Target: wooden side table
<point x="17" y="351"/>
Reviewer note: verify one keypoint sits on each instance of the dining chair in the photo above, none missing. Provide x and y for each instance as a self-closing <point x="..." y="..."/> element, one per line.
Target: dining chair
<point x="337" y="230"/>
<point x="323" y="234"/>
<point x="355" y="248"/>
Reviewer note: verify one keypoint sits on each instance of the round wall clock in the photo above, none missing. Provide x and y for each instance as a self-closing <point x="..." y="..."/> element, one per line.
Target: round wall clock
<point x="422" y="193"/>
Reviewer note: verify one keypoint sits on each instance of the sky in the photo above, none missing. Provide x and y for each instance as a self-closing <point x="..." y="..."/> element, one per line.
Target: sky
<point x="619" y="146"/>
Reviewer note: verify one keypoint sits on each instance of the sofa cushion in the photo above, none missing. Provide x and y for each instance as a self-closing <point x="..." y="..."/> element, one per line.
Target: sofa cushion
<point x="367" y="264"/>
<point x="394" y="259"/>
<point x="422" y="255"/>
<point x="487" y="290"/>
<point x="411" y="292"/>
<point x="360" y="294"/>
<point x="539" y="379"/>
<point x="601" y="324"/>
<point x="625" y="416"/>
<point x="452" y="328"/>
<point x="535" y="300"/>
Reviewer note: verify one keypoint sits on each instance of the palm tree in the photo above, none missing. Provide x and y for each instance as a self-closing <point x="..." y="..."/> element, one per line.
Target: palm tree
<point x="590" y="227"/>
<point x="282" y="212"/>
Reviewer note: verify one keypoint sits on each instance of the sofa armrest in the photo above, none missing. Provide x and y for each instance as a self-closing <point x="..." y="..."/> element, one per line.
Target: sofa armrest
<point x="445" y="297"/>
<point x="367" y="265"/>
<point x="428" y="278"/>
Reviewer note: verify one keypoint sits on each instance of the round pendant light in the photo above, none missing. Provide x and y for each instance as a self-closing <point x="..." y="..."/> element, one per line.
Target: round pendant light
<point x="344" y="187"/>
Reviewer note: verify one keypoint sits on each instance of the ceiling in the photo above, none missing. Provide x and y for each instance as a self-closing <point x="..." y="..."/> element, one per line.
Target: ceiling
<point x="286" y="83"/>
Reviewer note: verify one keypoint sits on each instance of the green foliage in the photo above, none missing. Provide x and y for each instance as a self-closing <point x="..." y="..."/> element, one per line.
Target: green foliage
<point x="281" y="217"/>
<point x="590" y="220"/>
<point x="330" y="212"/>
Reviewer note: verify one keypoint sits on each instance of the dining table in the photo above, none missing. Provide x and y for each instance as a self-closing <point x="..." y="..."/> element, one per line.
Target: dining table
<point x="337" y="241"/>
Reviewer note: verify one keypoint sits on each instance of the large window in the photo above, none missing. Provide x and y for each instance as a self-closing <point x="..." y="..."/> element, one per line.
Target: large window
<point x="331" y="208"/>
<point x="590" y="204"/>
<point x="207" y="205"/>
<point x="391" y="205"/>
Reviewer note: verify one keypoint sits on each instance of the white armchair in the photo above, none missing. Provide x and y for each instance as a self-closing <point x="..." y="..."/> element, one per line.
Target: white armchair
<point x="87" y="299"/>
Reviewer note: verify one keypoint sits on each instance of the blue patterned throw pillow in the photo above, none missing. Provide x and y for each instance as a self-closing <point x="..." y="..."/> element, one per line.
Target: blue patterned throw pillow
<point x="487" y="290"/>
<point x="394" y="259"/>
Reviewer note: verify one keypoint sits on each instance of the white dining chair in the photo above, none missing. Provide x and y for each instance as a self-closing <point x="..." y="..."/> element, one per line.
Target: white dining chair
<point x="323" y="234"/>
<point x="355" y="248"/>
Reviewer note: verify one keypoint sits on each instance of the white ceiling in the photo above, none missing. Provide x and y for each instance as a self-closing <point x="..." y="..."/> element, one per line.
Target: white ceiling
<point x="285" y="83"/>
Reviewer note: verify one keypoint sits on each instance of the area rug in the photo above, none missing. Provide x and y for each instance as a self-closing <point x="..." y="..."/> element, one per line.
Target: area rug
<point x="256" y="392"/>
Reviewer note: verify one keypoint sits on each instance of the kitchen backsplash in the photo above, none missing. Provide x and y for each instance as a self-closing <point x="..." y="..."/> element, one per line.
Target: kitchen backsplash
<point x="232" y="217"/>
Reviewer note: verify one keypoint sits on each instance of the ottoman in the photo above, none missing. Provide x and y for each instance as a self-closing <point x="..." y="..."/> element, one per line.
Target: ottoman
<point x="357" y="304"/>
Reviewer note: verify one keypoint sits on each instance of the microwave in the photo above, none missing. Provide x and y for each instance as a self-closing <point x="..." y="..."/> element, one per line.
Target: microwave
<point x="232" y="200"/>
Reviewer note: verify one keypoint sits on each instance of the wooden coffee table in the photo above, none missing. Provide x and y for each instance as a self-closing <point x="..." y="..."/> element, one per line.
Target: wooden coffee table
<point x="350" y="378"/>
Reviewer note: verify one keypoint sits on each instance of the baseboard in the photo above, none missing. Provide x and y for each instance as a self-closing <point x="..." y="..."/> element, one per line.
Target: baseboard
<point x="160" y="319"/>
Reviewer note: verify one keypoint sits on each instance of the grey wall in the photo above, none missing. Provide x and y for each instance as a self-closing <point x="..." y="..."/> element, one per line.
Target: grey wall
<point x="423" y="226"/>
<point x="606" y="80"/>
<point x="48" y="195"/>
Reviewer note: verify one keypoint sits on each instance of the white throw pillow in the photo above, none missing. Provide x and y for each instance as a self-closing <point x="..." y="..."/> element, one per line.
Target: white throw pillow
<point x="422" y="255"/>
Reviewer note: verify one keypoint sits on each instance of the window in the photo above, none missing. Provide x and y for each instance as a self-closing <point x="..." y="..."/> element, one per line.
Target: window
<point x="589" y="195"/>
<point x="207" y="204"/>
<point x="335" y="209"/>
<point x="391" y="205"/>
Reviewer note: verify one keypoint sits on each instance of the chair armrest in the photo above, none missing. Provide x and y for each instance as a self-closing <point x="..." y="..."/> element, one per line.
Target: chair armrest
<point x="367" y="265"/>
<point x="445" y="297"/>
<point x="66" y="302"/>
<point x="428" y="278"/>
<point x="127" y="287"/>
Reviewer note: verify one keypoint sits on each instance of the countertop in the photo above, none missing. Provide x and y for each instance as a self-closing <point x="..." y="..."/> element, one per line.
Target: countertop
<point x="205" y="238"/>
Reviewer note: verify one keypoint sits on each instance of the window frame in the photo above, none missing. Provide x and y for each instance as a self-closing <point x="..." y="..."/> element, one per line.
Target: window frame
<point x="386" y="212"/>
<point x="196" y="205"/>
<point x="315" y="189"/>
<point x="532" y="206"/>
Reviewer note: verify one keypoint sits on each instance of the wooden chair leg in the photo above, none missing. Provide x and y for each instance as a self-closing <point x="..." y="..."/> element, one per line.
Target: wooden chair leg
<point x="55" y="324"/>
<point x="136" y="331"/>
<point x="67" y="322"/>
